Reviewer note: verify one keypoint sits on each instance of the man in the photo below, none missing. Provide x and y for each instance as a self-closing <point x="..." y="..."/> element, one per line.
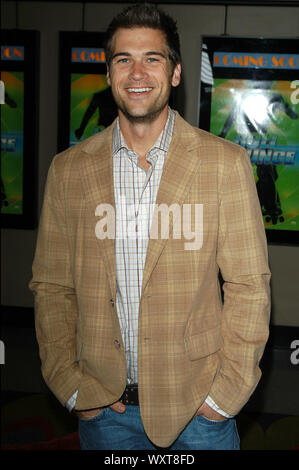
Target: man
<point x="132" y="331"/>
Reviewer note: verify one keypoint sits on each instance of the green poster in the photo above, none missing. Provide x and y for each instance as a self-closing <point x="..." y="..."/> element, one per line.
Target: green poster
<point x="86" y="104"/>
<point x="249" y="94"/>
<point x="260" y="116"/>
<point x="12" y="137"/>
<point x="19" y="111"/>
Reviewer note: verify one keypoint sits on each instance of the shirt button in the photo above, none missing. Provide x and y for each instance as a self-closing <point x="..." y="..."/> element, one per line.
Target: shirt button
<point x="116" y="344"/>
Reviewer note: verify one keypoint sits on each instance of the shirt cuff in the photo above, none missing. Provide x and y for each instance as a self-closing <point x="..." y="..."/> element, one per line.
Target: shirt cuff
<point x="213" y="405"/>
<point x="70" y="404"/>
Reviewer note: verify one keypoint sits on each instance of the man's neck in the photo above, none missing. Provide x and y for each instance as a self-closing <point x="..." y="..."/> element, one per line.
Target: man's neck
<point x="140" y="137"/>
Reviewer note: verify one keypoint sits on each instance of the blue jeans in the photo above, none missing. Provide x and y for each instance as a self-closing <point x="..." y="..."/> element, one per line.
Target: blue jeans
<point x="110" y="430"/>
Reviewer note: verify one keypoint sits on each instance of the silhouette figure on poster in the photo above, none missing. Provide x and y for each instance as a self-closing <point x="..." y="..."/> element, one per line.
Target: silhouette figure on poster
<point x="254" y="113"/>
<point x="104" y="102"/>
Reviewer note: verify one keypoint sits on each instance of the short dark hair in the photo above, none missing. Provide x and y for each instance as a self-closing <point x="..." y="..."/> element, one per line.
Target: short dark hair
<point x="145" y="15"/>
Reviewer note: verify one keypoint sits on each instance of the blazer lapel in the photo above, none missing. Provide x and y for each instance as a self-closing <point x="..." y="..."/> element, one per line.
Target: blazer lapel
<point x="181" y="163"/>
<point x="97" y="175"/>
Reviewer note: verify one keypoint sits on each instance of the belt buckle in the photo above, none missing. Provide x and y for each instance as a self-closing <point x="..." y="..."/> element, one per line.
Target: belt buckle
<point x="130" y="395"/>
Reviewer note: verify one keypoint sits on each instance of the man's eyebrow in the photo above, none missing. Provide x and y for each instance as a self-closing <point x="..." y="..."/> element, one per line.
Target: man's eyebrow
<point x="161" y="54"/>
<point x="149" y="53"/>
<point x="120" y="53"/>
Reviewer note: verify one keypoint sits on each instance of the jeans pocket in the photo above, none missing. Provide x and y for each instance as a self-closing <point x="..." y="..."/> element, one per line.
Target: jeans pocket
<point x="208" y="421"/>
<point x="93" y="418"/>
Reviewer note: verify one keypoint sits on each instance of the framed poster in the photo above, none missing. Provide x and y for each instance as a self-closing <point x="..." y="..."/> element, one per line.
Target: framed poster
<point x="249" y="94"/>
<point x="86" y="105"/>
<point x="19" y="120"/>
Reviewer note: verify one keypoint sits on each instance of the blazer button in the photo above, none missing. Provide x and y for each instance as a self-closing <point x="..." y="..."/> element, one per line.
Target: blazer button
<point x="116" y="344"/>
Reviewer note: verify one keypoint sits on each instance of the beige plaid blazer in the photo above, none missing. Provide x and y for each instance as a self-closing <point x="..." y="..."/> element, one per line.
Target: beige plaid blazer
<point x="190" y="343"/>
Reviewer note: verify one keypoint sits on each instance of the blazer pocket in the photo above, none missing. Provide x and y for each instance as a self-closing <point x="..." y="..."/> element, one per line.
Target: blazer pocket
<point x="203" y="344"/>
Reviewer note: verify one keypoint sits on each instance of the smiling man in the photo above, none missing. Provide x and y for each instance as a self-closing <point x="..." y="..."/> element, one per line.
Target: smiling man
<point x="134" y="336"/>
<point x="141" y="75"/>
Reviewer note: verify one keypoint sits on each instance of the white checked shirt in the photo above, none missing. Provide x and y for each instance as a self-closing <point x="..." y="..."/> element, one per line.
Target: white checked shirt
<point x="135" y="192"/>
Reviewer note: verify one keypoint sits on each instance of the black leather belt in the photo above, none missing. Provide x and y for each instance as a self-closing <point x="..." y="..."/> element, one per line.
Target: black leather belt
<point x="130" y="395"/>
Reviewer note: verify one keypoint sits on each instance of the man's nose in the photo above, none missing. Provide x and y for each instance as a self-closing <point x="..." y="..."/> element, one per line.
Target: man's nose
<point x="137" y="71"/>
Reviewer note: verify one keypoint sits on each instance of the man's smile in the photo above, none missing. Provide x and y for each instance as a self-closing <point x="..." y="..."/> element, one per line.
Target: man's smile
<point x="139" y="91"/>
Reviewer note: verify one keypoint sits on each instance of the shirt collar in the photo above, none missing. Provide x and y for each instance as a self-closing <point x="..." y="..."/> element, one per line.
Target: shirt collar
<point x="162" y="142"/>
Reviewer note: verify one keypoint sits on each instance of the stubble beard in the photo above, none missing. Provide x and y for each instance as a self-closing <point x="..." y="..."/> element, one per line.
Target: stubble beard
<point x="149" y="115"/>
<point x="147" y="118"/>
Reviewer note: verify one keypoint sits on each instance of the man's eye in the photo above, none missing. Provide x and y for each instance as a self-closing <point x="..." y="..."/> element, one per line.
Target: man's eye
<point x="152" y="59"/>
<point x="123" y="61"/>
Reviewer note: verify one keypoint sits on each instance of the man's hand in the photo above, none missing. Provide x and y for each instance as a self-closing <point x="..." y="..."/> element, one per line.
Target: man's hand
<point x="208" y="412"/>
<point x="117" y="406"/>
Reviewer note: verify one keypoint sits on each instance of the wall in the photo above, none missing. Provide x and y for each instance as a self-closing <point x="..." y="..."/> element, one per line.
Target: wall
<point x="193" y="21"/>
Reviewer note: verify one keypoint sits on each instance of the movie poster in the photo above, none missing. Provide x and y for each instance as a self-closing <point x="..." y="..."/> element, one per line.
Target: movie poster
<point x="12" y="143"/>
<point x="86" y="103"/>
<point x="250" y="96"/>
<point x="19" y="120"/>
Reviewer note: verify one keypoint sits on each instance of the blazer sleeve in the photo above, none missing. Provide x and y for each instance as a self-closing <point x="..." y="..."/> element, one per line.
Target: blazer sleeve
<point x="56" y="309"/>
<point x="243" y="261"/>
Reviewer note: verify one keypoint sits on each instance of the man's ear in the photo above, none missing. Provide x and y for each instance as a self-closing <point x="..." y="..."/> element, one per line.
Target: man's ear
<point x="176" y="75"/>
<point x="108" y="76"/>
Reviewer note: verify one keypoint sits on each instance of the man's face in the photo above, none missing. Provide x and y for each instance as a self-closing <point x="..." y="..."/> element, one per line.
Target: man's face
<point x="140" y="73"/>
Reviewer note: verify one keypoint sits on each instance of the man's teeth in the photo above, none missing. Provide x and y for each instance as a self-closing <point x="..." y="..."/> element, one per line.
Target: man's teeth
<point x="139" y="90"/>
